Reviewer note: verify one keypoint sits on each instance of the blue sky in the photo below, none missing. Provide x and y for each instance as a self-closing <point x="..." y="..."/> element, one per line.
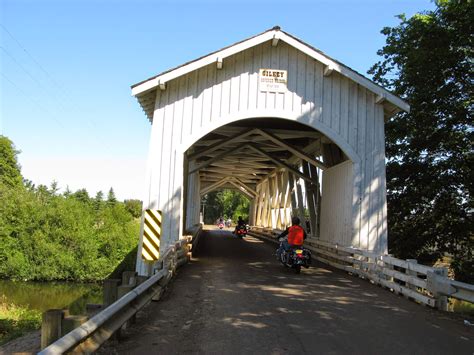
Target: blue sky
<point x="66" y="67"/>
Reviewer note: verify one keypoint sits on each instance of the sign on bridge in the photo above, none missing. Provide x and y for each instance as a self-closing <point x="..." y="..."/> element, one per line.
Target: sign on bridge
<point x="151" y="235"/>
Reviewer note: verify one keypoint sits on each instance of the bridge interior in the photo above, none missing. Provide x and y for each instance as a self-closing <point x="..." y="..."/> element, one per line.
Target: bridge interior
<point x="279" y="168"/>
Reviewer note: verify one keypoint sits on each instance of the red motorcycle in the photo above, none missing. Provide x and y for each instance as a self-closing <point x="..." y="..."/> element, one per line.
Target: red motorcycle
<point x="241" y="231"/>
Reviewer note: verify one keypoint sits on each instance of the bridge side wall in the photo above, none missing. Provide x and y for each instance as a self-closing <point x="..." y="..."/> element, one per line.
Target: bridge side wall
<point x="197" y="103"/>
<point x="336" y="204"/>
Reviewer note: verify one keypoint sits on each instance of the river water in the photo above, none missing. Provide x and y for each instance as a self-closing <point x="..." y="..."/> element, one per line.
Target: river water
<point x="48" y="295"/>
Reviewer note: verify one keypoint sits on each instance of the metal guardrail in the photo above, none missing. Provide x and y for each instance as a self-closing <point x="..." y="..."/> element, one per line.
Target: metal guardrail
<point x="92" y="334"/>
<point x="428" y="285"/>
<point x="82" y="338"/>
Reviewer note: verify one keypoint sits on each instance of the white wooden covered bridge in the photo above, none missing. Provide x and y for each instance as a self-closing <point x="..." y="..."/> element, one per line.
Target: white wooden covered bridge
<point x="281" y="122"/>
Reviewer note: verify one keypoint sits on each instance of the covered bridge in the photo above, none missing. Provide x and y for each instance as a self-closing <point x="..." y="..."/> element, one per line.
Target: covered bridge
<point x="291" y="128"/>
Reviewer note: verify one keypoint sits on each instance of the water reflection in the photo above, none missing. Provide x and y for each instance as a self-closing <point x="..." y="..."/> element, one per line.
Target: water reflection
<point x="48" y="295"/>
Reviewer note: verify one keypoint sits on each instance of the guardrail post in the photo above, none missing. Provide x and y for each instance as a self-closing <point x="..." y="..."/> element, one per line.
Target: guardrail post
<point x="51" y="326"/>
<point x="390" y="267"/>
<point x="411" y="273"/>
<point x="129" y="277"/>
<point x="110" y="291"/>
<point x="436" y="286"/>
<point x="70" y="323"/>
<point x="141" y="279"/>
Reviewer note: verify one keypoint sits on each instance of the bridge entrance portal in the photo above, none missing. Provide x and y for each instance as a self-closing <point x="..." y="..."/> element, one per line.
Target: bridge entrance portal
<point x="277" y="164"/>
<point x="295" y="130"/>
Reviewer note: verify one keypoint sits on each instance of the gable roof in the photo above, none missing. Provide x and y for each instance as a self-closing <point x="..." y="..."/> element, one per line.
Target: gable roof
<point x="142" y="89"/>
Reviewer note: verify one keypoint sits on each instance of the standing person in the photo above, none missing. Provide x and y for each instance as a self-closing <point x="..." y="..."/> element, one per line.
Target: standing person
<point x="296" y="236"/>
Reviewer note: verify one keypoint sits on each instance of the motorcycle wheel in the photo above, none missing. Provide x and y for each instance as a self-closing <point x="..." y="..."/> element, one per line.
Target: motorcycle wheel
<point x="297" y="269"/>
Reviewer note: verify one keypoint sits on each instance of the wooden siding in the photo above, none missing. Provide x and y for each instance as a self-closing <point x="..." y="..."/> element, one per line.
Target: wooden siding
<point x="336" y="207"/>
<point x="201" y="101"/>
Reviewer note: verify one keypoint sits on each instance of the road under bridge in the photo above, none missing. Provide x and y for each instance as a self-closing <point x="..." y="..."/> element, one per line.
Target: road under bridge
<point x="235" y="298"/>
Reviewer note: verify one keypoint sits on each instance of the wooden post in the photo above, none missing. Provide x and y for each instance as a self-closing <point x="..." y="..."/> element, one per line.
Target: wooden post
<point x="141" y="279"/>
<point x="311" y="203"/>
<point x="122" y="290"/>
<point x="51" y="326"/>
<point x="129" y="278"/>
<point x="441" y="299"/>
<point x="412" y="273"/>
<point x="110" y="291"/>
<point x="70" y="323"/>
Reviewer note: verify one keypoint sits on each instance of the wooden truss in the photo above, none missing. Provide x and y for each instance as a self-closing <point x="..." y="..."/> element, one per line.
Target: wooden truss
<point x="277" y="169"/>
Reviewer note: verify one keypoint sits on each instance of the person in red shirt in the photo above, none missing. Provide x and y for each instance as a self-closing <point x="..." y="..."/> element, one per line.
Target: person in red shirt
<point x="296" y="236"/>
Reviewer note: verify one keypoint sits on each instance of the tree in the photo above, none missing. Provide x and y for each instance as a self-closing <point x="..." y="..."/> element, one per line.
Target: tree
<point x="82" y="195"/>
<point x="10" y="174"/>
<point x="111" y="199"/>
<point x="427" y="60"/>
<point x="228" y="203"/>
<point x="98" y="200"/>
<point x="54" y="188"/>
<point x="134" y="207"/>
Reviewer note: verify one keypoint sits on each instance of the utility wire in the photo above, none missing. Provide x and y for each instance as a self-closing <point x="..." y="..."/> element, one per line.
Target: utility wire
<point x="29" y="74"/>
<point x="32" y="58"/>
<point x="36" y="103"/>
<point x="91" y="124"/>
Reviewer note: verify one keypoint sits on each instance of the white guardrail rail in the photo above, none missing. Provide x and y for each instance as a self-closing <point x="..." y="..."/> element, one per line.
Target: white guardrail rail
<point x="92" y="334"/>
<point x="427" y="285"/>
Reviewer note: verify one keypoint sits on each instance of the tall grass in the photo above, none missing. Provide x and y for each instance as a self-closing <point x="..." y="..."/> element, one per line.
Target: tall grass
<point x="16" y="320"/>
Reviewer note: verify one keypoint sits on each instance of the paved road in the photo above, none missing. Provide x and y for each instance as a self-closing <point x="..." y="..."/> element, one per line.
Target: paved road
<point x="234" y="298"/>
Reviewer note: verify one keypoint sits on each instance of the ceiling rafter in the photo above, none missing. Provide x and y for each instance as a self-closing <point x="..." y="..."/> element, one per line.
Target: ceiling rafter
<point x="299" y="153"/>
<point x="283" y="164"/>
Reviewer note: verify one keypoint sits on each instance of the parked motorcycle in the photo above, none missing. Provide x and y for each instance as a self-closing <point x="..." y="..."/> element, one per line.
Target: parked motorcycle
<point x="294" y="258"/>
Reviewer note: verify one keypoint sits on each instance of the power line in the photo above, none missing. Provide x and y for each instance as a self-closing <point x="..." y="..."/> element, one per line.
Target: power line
<point x="33" y="100"/>
<point x="32" y="58"/>
<point x="55" y="98"/>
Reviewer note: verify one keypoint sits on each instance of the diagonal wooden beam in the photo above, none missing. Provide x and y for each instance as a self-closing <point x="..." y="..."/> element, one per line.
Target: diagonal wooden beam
<point x="222" y="143"/>
<point x="241" y="189"/>
<point x="299" y="153"/>
<point x="282" y="164"/>
<point x="245" y="185"/>
<point x="218" y="156"/>
<point x="214" y="186"/>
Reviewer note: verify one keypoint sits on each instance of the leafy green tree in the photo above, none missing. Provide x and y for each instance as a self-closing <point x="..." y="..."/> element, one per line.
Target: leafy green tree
<point x="134" y="207"/>
<point x="49" y="236"/>
<point x="228" y="203"/>
<point x="428" y="60"/>
<point x="82" y="195"/>
<point x="10" y="174"/>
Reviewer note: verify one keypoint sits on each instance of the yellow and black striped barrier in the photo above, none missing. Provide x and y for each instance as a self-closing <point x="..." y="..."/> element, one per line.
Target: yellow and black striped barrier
<point x="151" y="235"/>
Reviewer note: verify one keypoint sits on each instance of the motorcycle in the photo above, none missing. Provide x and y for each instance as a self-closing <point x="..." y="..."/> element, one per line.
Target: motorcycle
<point x="294" y="258"/>
<point x="241" y="231"/>
<point x="221" y="225"/>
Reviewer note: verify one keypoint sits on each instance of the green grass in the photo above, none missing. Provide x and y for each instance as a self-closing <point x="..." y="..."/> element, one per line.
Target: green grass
<point x="462" y="307"/>
<point x="16" y="321"/>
